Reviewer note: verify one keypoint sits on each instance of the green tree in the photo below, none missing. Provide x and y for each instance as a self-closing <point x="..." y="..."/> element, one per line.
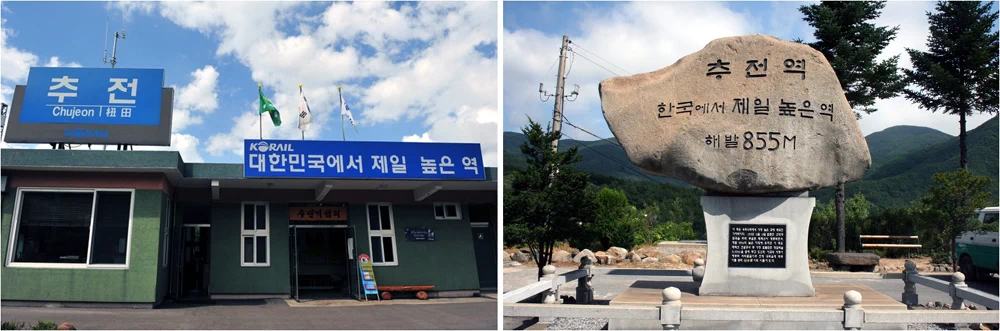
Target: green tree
<point x="848" y="37"/>
<point x="950" y="204"/>
<point x="616" y="221"/>
<point x="958" y="74"/>
<point x="548" y="201"/>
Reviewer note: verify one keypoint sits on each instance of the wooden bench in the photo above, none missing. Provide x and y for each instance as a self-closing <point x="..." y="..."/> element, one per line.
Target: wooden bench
<point x="420" y="289"/>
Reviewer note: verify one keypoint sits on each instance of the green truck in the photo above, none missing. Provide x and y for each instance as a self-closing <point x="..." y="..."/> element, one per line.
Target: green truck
<point x="977" y="251"/>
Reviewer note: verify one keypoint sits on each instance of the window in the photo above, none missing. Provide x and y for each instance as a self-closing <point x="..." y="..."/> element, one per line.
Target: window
<point x="71" y="228"/>
<point x="255" y="237"/>
<point x="382" y="234"/>
<point x="167" y="208"/>
<point x="447" y="211"/>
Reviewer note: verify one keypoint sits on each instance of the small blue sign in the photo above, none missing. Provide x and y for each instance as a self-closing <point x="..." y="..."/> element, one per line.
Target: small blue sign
<point x="93" y="96"/>
<point x="362" y="160"/>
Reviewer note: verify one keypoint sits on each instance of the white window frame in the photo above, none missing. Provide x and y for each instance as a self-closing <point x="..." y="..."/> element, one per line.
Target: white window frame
<point x="382" y="233"/>
<point x="444" y="207"/>
<point x="16" y="220"/>
<point x="255" y="233"/>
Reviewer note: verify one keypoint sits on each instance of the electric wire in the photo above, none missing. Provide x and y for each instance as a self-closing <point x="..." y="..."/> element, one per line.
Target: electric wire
<point x="521" y="108"/>
<point x="599" y="57"/>
<point x="632" y="168"/>
<point x="567" y="121"/>
<point x="599" y="65"/>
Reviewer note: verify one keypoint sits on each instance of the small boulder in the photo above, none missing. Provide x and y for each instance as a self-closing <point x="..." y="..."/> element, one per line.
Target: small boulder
<point x="688" y="257"/>
<point x="521" y="256"/>
<point x="672" y="258"/>
<point x="650" y="252"/>
<point x="634" y="257"/>
<point x="506" y="257"/>
<point x="853" y="259"/>
<point x="587" y="253"/>
<point x="66" y="326"/>
<point x="650" y="260"/>
<point x="561" y="256"/>
<point x="602" y="259"/>
<point x="617" y="252"/>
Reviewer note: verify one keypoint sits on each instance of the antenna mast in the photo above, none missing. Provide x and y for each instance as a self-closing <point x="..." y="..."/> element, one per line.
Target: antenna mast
<point x="114" y="47"/>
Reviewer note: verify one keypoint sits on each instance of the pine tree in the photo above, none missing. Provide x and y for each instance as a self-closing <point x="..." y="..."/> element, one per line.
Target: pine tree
<point x="848" y="38"/>
<point x="958" y="74"/>
<point x="549" y="201"/>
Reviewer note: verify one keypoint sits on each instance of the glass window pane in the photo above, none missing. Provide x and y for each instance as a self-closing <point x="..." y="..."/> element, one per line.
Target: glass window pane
<point x="111" y="228"/>
<point x="384" y="216"/>
<point x="261" y="249"/>
<point x="261" y="217"/>
<point x="387" y="247"/>
<point x="248" y="217"/>
<point x="376" y="249"/>
<point x="373" y="217"/>
<point x="248" y="249"/>
<point x="439" y="211"/>
<point x="451" y="210"/>
<point x="54" y="227"/>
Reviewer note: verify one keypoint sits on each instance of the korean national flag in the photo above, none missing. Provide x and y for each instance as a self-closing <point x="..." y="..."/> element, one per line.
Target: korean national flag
<point x="305" y="115"/>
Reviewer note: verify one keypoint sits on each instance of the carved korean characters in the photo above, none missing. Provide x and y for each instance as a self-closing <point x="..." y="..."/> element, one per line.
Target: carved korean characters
<point x="745" y="115"/>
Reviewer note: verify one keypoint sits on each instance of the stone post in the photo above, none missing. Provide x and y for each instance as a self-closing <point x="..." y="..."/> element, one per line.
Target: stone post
<point x="698" y="273"/>
<point x="670" y="311"/>
<point x="584" y="287"/>
<point x="909" y="287"/>
<point x="957" y="303"/>
<point x="854" y="314"/>
<point x="551" y="295"/>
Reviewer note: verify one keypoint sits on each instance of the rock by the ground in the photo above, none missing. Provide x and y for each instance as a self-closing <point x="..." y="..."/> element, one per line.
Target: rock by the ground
<point x="710" y="121"/>
<point x="587" y="253"/>
<point x="634" y="257"/>
<point x="506" y="257"/>
<point x="561" y="256"/>
<point x="649" y="252"/>
<point x="688" y="257"/>
<point x="650" y="260"/>
<point x="521" y="257"/>
<point x="852" y="259"/>
<point x="672" y="258"/>
<point x="617" y="252"/>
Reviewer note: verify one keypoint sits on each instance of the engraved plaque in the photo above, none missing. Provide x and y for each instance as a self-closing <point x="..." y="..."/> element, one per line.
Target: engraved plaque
<point x="756" y="246"/>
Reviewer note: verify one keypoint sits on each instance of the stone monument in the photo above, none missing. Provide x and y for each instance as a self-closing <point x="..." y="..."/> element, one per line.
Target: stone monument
<point x="757" y="122"/>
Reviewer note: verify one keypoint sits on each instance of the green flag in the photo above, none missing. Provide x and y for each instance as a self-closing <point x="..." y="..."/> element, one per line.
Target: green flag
<point x="266" y="106"/>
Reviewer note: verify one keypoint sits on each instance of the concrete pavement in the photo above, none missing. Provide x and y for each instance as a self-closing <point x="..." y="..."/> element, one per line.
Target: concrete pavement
<point x="268" y="315"/>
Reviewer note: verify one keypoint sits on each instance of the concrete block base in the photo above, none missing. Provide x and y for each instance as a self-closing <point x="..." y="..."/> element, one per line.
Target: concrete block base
<point x="788" y="280"/>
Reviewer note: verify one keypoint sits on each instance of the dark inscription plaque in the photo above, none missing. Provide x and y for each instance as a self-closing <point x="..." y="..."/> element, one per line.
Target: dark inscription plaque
<point x="756" y="246"/>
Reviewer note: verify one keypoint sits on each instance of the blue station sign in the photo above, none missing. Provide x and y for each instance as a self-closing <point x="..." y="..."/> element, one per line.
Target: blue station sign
<point x="362" y="160"/>
<point x="93" y="96"/>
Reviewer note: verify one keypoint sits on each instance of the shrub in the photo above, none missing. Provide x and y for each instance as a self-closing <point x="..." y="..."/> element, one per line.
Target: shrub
<point x="45" y="325"/>
<point x="12" y="325"/>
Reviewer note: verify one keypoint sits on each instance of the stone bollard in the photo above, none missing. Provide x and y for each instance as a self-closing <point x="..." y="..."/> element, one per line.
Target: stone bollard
<point x="698" y="273"/>
<point x="670" y="310"/>
<point x="551" y="295"/>
<point x="854" y="314"/>
<point x="957" y="303"/>
<point x="584" y="286"/>
<point x="909" y="287"/>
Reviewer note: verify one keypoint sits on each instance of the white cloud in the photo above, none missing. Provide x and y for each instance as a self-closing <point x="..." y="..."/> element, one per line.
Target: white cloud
<point x="15" y="62"/>
<point x="202" y="93"/>
<point x="638" y="37"/>
<point x="418" y="138"/>
<point x="186" y="144"/>
<point x="54" y="62"/>
<point x="435" y="84"/>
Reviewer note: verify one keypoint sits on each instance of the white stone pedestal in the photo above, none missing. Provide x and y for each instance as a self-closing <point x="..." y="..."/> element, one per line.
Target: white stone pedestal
<point x="724" y="277"/>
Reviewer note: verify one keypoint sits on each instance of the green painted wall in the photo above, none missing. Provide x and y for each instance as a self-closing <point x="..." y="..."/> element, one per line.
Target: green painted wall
<point x="134" y="285"/>
<point x="448" y="263"/>
<point x="227" y="276"/>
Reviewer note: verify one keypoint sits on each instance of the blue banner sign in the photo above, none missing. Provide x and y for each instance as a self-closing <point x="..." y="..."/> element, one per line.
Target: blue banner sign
<point x="361" y="160"/>
<point x="93" y="96"/>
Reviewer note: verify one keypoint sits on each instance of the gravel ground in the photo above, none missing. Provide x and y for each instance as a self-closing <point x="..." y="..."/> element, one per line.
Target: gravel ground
<point x="578" y="324"/>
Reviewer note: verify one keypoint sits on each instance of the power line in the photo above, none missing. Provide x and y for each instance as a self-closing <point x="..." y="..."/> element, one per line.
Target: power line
<point x="521" y="109"/>
<point x="597" y="64"/>
<point x="612" y="159"/>
<point x="599" y="57"/>
<point x="566" y="120"/>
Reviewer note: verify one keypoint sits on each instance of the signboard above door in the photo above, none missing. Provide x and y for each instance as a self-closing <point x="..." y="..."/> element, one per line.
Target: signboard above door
<point x="324" y="213"/>
<point x="92" y="105"/>
<point x="362" y="160"/>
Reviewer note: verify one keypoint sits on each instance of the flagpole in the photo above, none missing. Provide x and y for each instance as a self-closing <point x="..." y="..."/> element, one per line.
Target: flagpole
<point x="342" y="132"/>
<point x="300" y="115"/>
<point x="260" y="122"/>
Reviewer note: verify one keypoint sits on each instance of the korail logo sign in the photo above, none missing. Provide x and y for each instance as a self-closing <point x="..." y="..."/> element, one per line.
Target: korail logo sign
<point x="264" y="147"/>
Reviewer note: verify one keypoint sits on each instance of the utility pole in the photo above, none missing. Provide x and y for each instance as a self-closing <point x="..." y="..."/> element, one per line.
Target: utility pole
<point x="557" y="111"/>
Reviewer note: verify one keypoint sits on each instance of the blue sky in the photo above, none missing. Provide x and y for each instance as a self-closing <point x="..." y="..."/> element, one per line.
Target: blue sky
<point x="410" y="71"/>
<point x="636" y="37"/>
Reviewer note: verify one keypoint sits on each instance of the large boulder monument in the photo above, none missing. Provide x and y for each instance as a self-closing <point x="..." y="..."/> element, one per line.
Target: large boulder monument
<point x="757" y="122"/>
